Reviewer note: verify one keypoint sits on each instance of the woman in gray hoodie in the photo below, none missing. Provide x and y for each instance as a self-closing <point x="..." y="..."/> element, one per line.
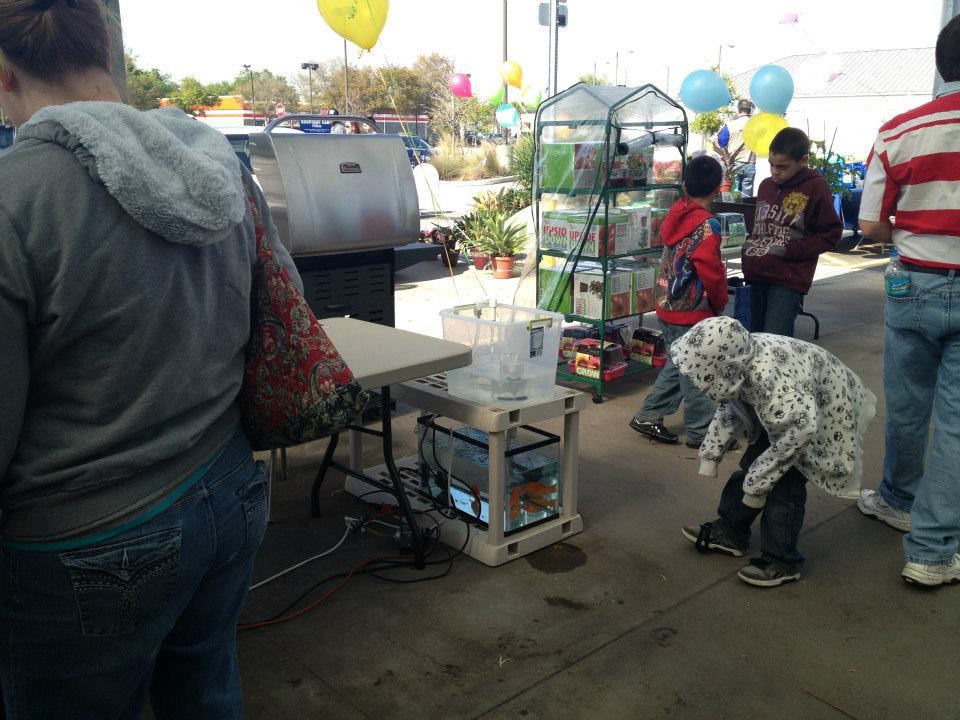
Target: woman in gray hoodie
<point x="805" y="414"/>
<point x="131" y="505"/>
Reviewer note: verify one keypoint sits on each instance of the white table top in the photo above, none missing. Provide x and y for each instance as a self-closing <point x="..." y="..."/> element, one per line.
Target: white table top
<point x="379" y="355"/>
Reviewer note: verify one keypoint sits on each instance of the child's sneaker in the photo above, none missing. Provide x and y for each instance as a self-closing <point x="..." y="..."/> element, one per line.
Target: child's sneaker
<point x="872" y="504"/>
<point x="943" y="573"/>
<point x="654" y="430"/>
<point x="708" y="537"/>
<point x="764" y="573"/>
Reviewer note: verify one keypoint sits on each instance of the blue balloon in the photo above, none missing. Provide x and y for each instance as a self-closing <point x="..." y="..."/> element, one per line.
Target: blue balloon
<point x="771" y="89"/>
<point x="507" y="115"/>
<point x="704" y="91"/>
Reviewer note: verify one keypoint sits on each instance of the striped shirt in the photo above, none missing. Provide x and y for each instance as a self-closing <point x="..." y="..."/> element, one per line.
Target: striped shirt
<point x="914" y="173"/>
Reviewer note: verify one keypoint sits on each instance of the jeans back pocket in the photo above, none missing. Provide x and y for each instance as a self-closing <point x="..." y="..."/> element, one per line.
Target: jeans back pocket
<point x="255" y="503"/>
<point x="120" y="586"/>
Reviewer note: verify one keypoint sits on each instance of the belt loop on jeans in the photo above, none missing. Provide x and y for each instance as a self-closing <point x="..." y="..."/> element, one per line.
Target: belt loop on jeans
<point x="913" y="267"/>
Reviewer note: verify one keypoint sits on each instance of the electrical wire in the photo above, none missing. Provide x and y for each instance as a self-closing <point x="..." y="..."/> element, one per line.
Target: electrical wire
<point x="304" y="562"/>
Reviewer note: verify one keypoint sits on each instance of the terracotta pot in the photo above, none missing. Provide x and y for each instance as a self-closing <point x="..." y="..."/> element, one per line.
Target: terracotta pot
<point x="503" y="267"/>
<point x="726" y="185"/>
<point x="480" y="261"/>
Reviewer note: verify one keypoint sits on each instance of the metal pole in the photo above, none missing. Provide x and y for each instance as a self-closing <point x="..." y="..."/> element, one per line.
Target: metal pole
<point x="504" y="53"/>
<point x="554" y="54"/>
<point x="310" y="76"/>
<point x="556" y="43"/>
<point x="346" y="82"/>
<point x="616" y="66"/>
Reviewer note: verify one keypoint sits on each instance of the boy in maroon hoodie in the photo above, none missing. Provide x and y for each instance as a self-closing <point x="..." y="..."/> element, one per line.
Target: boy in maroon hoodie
<point x="691" y="286"/>
<point x="795" y="222"/>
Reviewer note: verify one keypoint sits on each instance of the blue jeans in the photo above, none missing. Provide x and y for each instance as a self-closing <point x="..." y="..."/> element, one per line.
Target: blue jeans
<point x="671" y="387"/>
<point x="87" y="632"/>
<point x="773" y="308"/>
<point x="921" y="378"/>
<point x="743" y="176"/>
<point x="781" y="518"/>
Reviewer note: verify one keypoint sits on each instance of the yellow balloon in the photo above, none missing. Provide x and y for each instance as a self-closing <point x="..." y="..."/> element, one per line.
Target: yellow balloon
<point x="359" y="21"/>
<point x="512" y="73"/>
<point x="760" y="130"/>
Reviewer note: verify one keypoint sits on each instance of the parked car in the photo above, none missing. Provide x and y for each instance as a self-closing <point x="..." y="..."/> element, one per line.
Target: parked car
<point x="418" y="149"/>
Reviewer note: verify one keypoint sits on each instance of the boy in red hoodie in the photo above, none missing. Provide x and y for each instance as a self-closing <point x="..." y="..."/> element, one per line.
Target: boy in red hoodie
<point x="691" y="286"/>
<point x="795" y="222"/>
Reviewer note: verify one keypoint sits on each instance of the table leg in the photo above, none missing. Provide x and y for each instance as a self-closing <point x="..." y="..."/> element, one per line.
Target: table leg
<point x="497" y="443"/>
<point x="571" y="463"/>
<point x="321" y="473"/>
<point x="402" y="500"/>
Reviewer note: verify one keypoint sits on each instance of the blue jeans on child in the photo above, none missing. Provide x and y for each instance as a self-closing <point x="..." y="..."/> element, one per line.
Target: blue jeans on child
<point x="671" y="387"/>
<point x="87" y="632"/>
<point x="773" y="308"/>
<point x="921" y="377"/>
<point x="781" y="518"/>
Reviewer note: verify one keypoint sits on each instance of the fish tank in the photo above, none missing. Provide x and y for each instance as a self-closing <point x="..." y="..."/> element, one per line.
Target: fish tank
<point x="455" y="472"/>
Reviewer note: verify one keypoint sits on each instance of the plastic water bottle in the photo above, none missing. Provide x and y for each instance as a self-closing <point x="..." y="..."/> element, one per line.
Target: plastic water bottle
<point x="896" y="278"/>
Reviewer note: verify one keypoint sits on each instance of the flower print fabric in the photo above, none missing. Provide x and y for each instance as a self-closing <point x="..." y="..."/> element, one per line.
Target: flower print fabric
<point x="813" y="407"/>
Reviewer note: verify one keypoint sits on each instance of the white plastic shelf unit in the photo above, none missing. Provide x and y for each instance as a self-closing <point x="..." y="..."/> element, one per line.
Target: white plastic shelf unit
<point x="488" y="545"/>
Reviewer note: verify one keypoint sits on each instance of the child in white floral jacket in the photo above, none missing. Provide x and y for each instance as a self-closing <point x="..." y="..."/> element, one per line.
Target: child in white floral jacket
<point x="805" y="413"/>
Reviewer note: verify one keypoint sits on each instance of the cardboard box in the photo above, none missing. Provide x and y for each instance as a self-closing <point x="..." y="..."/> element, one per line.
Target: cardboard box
<point x="636" y="231"/>
<point x="568" y="166"/>
<point x="644" y="289"/>
<point x="589" y="299"/>
<point x="640" y="167"/>
<point x="555" y="290"/>
<point x="656" y="220"/>
<point x="601" y="235"/>
<point x="554" y="230"/>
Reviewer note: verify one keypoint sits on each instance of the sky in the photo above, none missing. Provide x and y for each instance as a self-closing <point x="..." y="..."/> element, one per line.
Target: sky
<point x="641" y="40"/>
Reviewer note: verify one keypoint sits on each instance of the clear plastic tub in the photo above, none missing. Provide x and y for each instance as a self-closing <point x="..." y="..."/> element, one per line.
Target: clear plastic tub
<point x="514" y="352"/>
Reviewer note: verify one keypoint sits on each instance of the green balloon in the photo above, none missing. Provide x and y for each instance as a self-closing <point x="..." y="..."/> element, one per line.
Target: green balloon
<point x="496" y="99"/>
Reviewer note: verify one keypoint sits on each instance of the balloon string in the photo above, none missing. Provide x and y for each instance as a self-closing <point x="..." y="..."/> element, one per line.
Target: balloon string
<point x="442" y="214"/>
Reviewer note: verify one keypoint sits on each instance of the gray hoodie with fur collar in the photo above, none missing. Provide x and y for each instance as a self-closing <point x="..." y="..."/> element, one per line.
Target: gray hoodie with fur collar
<point x="126" y="256"/>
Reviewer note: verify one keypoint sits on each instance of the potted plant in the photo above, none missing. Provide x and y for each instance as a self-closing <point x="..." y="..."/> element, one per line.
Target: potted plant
<point x="466" y="230"/>
<point x="445" y="238"/>
<point x="501" y="240"/>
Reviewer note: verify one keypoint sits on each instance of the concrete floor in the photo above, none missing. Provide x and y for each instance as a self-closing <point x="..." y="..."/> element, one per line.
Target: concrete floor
<point x="625" y="620"/>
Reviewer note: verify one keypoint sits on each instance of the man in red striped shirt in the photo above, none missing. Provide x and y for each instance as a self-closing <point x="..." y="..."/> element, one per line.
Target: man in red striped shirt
<point x="914" y="175"/>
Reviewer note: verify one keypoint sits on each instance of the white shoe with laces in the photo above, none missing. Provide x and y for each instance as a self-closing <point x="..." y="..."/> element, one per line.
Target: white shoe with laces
<point x="872" y="504"/>
<point x="943" y="573"/>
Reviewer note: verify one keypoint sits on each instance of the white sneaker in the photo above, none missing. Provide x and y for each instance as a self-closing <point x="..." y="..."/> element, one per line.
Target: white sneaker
<point x="872" y="504"/>
<point x="932" y="575"/>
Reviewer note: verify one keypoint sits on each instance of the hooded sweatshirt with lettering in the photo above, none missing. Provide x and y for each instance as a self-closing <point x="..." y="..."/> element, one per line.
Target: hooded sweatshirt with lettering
<point x="814" y="409"/>
<point x="126" y="259"/>
<point x="794" y="223"/>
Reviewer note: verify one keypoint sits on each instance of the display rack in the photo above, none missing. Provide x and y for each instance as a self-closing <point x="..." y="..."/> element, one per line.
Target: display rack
<point x="608" y="164"/>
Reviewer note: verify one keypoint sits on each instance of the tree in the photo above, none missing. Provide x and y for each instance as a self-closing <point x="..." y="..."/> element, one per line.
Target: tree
<point x="192" y="95"/>
<point x="267" y="90"/>
<point x="593" y="79"/>
<point x="146" y="87"/>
